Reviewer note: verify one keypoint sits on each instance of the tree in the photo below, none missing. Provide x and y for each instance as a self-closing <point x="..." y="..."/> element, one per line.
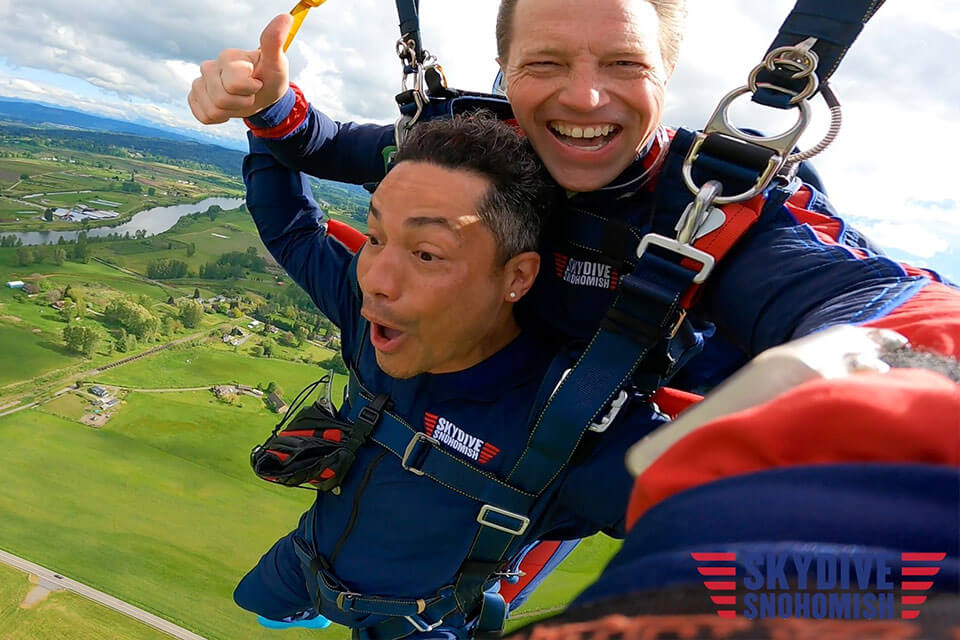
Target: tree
<point x="81" y="338"/>
<point x="24" y="176"/>
<point x="256" y="351"/>
<point x="191" y="249"/>
<point x="48" y="215"/>
<point x="191" y="312"/>
<point x="271" y="387"/>
<point x="151" y="191"/>
<point x="196" y="294"/>
<point x="135" y="318"/>
<point x="166" y="269"/>
<point x="335" y="364"/>
<point x="24" y="256"/>
<point x="59" y="256"/>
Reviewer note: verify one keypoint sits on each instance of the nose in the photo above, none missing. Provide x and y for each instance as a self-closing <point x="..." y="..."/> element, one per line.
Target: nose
<point x="584" y="90"/>
<point x="379" y="274"/>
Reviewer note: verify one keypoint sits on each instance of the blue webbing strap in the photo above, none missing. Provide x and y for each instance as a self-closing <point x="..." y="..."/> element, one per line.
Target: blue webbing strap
<point x="409" y="13"/>
<point x="834" y="23"/>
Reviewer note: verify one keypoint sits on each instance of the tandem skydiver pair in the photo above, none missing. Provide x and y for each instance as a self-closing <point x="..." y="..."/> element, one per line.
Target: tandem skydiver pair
<point x="678" y="277"/>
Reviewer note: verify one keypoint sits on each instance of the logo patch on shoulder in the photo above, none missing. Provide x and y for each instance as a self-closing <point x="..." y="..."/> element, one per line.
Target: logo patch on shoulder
<point x="585" y="273"/>
<point x="452" y="436"/>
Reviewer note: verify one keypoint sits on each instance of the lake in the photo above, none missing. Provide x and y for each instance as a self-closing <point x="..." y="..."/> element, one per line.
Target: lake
<point x="153" y="221"/>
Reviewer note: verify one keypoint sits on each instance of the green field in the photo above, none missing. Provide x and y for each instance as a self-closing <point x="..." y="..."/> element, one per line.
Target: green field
<point x="25" y="356"/>
<point x="160" y="509"/>
<point x="63" y="615"/>
<point x="178" y="368"/>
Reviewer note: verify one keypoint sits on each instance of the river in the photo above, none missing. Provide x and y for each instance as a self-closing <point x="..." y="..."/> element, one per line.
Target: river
<point x="153" y="221"/>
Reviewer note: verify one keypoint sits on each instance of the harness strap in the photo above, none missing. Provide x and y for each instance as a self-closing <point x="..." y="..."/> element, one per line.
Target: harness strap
<point x="835" y="25"/>
<point x="409" y="14"/>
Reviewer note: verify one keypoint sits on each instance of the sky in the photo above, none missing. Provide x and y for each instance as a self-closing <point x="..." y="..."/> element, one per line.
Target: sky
<point x="891" y="172"/>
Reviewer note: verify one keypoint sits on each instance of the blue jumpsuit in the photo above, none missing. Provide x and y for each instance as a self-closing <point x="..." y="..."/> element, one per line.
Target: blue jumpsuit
<point x="391" y="532"/>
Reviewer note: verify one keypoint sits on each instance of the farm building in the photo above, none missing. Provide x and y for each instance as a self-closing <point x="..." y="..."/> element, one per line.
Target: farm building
<point x="99" y="391"/>
<point x="277" y="403"/>
<point x="15" y="284"/>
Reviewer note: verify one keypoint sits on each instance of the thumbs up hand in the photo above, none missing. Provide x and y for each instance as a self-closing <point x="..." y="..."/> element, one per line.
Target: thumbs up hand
<point x="241" y="83"/>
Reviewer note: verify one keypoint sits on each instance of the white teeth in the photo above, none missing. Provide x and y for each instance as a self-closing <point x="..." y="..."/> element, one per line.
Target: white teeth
<point x="582" y="132"/>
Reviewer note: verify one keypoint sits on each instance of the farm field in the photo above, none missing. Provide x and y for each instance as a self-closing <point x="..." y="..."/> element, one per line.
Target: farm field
<point x="27" y="355"/>
<point x="161" y="509"/>
<point x="62" y="615"/>
<point x="209" y="365"/>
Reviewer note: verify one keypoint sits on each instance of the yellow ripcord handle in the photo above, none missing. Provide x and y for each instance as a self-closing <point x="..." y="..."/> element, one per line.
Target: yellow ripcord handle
<point x="299" y="12"/>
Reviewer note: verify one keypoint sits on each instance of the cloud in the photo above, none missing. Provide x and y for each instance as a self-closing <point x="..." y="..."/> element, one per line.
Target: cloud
<point x="899" y="91"/>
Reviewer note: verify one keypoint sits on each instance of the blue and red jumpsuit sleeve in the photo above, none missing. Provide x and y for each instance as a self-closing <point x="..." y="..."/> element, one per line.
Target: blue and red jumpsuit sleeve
<point x="305" y="139"/>
<point x="796" y="272"/>
<point x="317" y="253"/>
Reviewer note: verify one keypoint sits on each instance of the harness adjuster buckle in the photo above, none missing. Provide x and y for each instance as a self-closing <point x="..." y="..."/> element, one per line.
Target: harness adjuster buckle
<point x="408" y="453"/>
<point x="522" y="522"/>
<point x="368" y="415"/>
<point x="346" y="597"/>
<point x="421" y="625"/>
<point x="706" y="260"/>
<point x="615" y="407"/>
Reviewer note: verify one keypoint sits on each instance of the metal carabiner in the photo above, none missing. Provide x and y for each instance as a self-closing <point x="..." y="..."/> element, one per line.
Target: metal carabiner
<point x="698" y="211"/>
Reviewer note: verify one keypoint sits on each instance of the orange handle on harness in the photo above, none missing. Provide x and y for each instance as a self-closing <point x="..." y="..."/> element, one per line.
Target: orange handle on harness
<point x="299" y="12"/>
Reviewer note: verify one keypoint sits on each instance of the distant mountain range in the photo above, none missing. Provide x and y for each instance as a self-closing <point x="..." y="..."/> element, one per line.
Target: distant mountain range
<point x="36" y="113"/>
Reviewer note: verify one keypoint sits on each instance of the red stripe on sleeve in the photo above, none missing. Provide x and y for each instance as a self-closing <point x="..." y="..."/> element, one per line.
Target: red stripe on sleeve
<point x="930" y="319"/>
<point x="297" y="116"/>
<point x="347" y="235"/>
<point x="531" y="565"/>
<point x="867" y="417"/>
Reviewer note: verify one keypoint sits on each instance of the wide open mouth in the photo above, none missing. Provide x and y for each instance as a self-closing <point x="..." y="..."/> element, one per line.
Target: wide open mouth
<point x="385" y="338"/>
<point x="586" y="137"/>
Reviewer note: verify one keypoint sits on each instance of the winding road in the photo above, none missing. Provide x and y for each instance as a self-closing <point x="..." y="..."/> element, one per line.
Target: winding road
<point x="55" y="582"/>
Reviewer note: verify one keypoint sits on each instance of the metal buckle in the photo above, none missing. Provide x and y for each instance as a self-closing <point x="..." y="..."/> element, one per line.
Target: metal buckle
<point x="489" y="508"/>
<point x="421" y="625"/>
<point x="697" y="212"/>
<point x="705" y="259"/>
<point x="414" y="441"/>
<point x="346" y="595"/>
<point x="368" y="415"/>
<point x="615" y="408"/>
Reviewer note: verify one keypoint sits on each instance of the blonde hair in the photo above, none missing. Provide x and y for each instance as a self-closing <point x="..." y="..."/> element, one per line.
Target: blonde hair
<point x="670" y="13"/>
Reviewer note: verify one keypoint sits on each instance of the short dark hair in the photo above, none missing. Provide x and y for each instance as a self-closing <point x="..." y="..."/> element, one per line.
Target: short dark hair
<point x="521" y="192"/>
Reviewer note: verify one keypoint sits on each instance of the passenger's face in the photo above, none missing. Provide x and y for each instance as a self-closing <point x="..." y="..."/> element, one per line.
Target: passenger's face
<point x="433" y="284"/>
<point x="586" y="81"/>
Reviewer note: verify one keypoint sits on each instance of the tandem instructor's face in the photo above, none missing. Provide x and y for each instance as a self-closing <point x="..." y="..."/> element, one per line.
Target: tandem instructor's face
<point x="435" y="292"/>
<point x="586" y="82"/>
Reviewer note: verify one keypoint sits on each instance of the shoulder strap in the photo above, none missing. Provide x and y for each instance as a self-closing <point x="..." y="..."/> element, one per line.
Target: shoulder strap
<point x="834" y="25"/>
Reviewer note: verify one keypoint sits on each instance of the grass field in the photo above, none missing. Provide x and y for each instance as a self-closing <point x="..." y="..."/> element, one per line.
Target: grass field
<point x="63" y="615"/>
<point x="177" y="368"/>
<point x="159" y="508"/>
<point x="25" y="356"/>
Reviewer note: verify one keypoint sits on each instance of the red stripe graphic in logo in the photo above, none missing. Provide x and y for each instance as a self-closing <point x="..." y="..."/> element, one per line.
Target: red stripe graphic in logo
<point x="560" y="262"/>
<point x="721" y="580"/>
<point x="916" y="565"/>
<point x="429" y="423"/>
<point x="487" y="453"/>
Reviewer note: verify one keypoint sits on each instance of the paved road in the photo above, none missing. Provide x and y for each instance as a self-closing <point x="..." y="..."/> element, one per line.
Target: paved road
<point x="52" y="580"/>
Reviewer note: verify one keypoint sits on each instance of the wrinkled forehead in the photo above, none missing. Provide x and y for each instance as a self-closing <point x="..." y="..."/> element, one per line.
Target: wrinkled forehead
<point x="598" y="26"/>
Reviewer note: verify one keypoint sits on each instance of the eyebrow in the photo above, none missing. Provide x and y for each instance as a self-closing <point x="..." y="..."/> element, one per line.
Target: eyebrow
<point x="423" y="221"/>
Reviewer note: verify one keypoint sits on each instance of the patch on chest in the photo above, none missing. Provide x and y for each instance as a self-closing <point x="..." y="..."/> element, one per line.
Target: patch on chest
<point x="452" y="436"/>
<point x="585" y="273"/>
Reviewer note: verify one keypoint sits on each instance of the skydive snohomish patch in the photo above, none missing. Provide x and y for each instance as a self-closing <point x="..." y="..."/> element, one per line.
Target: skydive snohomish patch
<point x="452" y="436"/>
<point x="818" y="585"/>
<point x="585" y="273"/>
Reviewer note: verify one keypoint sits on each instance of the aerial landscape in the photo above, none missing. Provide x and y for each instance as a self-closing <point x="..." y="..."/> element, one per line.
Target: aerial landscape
<point x="142" y="361"/>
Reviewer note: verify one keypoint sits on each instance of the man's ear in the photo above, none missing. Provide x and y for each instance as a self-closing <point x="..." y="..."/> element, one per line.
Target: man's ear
<point x="519" y="273"/>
